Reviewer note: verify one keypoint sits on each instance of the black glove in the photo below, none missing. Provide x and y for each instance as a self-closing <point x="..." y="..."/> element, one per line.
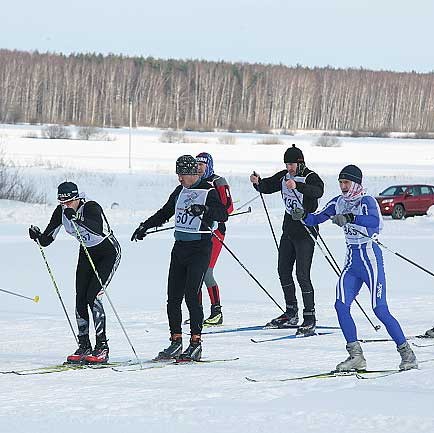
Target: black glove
<point x="35" y="233"/>
<point x="197" y="209"/>
<point x="342" y="219"/>
<point x="298" y="214"/>
<point x="140" y="232"/>
<point x="70" y="213"/>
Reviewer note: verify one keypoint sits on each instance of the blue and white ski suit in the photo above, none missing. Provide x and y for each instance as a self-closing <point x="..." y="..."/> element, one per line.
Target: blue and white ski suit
<point x="363" y="263"/>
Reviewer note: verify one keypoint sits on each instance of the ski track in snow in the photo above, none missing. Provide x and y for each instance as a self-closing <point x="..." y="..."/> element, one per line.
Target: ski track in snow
<point x="210" y="397"/>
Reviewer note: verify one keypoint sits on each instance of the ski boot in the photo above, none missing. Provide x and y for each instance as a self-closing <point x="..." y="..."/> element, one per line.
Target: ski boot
<point x="408" y="358"/>
<point x="216" y="317"/>
<point x="193" y="351"/>
<point x="355" y="361"/>
<point x="84" y="349"/>
<point x="429" y="333"/>
<point x="100" y="354"/>
<point x="173" y="351"/>
<point x="308" y="326"/>
<point x="286" y="320"/>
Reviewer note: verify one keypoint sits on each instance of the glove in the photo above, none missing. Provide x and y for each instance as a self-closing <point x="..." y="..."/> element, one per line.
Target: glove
<point x="255" y="178"/>
<point x="342" y="219"/>
<point x="298" y="214"/>
<point x="35" y="233"/>
<point x="197" y="209"/>
<point x="140" y="232"/>
<point x="70" y="213"/>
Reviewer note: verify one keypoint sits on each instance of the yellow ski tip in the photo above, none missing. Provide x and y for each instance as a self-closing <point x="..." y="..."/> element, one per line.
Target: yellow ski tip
<point x="36" y="299"/>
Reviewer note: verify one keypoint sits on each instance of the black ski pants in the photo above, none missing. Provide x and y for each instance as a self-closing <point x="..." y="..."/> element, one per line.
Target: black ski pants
<point x="300" y="252"/>
<point x="106" y="257"/>
<point x="188" y="264"/>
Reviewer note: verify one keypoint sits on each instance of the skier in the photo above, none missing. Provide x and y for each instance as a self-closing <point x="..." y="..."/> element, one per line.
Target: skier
<point x="359" y="216"/>
<point x="206" y="171"/>
<point x="196" y="206"/>
<point x="299" y="186"/>
<point x="105" y="252"/>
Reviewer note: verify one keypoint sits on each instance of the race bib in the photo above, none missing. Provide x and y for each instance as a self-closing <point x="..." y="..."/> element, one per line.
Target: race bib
<point x="291" y="197"/>
<point x="184" y="222"/>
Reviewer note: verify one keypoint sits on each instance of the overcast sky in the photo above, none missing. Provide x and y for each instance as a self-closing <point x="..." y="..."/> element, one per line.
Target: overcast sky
<point x="375" y="34"/>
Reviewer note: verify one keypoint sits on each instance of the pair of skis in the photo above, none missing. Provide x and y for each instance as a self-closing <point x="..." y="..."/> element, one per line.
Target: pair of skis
<point x="359" y="374"/>
<point x="159" y="363"/>
<point x="324" y="375"/>
<point x="115" y="366"/>
<point x="64" y="367"/>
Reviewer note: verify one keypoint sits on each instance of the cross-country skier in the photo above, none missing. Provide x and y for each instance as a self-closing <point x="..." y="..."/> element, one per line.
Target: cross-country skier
<point x="196" y="206"/>
<point x="299" y="186"/>
<point x="206" y="171"/>
<point x="105" y="252"/>
<point x="359" y="216"/>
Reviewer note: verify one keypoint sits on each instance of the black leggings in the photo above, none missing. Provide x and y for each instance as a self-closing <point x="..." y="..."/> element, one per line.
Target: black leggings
<point x="106" y="257"/>
<point x="188" y="264"/>
<point x="300" y="252"/>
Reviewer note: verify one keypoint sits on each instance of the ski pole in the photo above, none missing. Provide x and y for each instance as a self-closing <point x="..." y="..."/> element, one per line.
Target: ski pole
<point x="248" y="202"/>
<point x="242" y="265"/>
<point x="56" y="288"/>
<point x="334" y="265"/>
<point x="268" y="216"/>
<point x="249" y="210"/>
<point x="395" y="252"/>
<point x="34" y="299"/>
<point x="80" y="238"/>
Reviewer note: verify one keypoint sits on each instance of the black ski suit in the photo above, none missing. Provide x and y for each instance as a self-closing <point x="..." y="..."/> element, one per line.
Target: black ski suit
<point x="296" y="245"/>
<point x="191" y="252"/>
<point x="105" y="252"/>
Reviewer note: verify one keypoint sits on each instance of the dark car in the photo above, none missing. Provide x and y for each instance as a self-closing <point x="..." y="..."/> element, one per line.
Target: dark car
<point x="406" y="200"/>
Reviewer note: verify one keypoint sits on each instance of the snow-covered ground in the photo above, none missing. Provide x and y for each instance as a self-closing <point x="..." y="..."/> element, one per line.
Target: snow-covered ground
<point x="208" y="397"/>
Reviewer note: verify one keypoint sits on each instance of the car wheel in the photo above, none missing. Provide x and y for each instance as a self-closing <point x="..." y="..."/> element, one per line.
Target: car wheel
<point x="398" y="212"/>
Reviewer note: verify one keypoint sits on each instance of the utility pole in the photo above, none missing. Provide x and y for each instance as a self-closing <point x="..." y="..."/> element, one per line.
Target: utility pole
<point x="129" y="135"/>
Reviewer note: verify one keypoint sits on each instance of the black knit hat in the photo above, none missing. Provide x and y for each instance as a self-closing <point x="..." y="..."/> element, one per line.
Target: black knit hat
<point x="293" y="154"/>
<point x="186" y="164"/>
<point x="67" y="191"/>
<point x="351" y="172"/>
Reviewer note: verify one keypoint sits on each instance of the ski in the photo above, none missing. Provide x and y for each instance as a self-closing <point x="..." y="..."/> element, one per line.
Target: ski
<point x="325" y="375"/>
<point x="152" y="363"/>
<point x="289" y="337"/>
<point x="261" y="328"/>
<point x="391" y="372"/>
<point x="364" y="374"/>
<point x="63" y="367"/>
<point x="422" y="345"/>
<point x="382" y="340"/>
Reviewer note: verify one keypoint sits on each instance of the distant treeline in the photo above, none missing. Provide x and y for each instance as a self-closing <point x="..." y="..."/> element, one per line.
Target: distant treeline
<point x="92" y="89"/>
